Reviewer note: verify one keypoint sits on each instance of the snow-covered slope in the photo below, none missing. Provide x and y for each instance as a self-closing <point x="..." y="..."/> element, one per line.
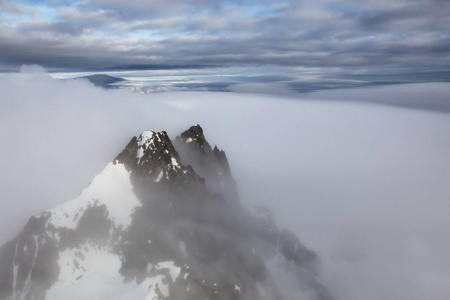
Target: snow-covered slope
<point x="153" y="225"/>
<point x="112" y="188"/>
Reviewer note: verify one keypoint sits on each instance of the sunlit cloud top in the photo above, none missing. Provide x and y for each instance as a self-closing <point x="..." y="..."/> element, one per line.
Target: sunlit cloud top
<point x="120" y="34"/>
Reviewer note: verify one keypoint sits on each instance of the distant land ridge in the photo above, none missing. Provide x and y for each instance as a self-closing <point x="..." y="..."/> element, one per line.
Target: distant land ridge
<point x="102" y="80"/>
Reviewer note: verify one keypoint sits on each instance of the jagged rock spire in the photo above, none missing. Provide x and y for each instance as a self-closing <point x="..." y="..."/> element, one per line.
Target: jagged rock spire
<point x="152" y="159"/>
<point x="210" y="163"/>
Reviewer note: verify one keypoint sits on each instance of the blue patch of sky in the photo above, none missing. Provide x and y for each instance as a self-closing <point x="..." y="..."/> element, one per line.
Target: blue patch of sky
<point x="14" y="20"/>
<point x="262" y="10"/>
<point x="153" y="35"/>
<point x="48" y="15"/>
<point x="48" y="3"/>
<point x="11" y="19"/>
<point x="48" y="9"/>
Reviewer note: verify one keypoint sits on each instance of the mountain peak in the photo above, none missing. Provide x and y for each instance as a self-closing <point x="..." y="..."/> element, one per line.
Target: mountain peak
<point x="194" y="131"/>
<point x="195" y="135"/>
<point x="162" y="221"/>
<point x="210" y="163"/>
<point x="151" y="158"/>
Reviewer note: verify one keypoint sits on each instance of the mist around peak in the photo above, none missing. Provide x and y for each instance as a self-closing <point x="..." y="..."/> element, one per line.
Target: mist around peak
<point x="364" y="185"/>
<point x="152" y="220"/>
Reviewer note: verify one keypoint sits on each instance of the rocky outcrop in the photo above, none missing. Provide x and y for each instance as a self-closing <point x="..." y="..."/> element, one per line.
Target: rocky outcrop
<point x="153" y="161"/>
<point x="210" y="163"/>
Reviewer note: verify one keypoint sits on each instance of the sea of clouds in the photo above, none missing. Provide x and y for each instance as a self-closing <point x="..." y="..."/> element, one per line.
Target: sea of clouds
<point x="364" y="185"/>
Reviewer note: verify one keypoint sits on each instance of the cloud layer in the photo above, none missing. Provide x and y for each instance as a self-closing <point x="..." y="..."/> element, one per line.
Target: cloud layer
<point x="364" y="185"/>
<point x="356" y="37"/>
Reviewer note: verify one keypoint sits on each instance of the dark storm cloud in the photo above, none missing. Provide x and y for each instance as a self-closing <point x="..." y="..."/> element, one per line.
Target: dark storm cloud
<point x="135" y="34"/>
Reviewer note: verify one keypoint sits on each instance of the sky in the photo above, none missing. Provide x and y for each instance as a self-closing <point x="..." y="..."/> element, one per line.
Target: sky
<point x="363" y="184"/>
<point x="213" y="45"/>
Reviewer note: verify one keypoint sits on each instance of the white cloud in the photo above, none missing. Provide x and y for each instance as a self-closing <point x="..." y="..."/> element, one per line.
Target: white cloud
<point x="364" y="185"/>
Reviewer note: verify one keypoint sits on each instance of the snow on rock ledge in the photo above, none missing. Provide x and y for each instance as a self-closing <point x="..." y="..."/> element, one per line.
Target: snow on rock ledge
<point x="145" y="140"/>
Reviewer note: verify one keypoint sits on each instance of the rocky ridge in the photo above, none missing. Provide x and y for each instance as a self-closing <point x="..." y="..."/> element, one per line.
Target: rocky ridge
<point x="162" y="221"/>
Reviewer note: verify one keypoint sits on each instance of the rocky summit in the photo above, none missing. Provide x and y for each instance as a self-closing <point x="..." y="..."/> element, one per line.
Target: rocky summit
<point x="163" y="220"/>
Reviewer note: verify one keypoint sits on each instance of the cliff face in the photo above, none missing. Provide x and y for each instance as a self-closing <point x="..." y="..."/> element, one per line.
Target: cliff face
<point x="162" y="221"/>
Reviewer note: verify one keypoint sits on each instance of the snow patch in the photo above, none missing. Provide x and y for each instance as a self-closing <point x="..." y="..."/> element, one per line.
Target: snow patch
<point x="112" y="188"/>
<point x="170" y="265"/>
<point x="75" y="263"/>
<point x="89" y="272"/>
<point x="145" y="139"/>
<point x="175" y="162"/>
<point x="237" y="289"/>
<point x="160" y="175"/>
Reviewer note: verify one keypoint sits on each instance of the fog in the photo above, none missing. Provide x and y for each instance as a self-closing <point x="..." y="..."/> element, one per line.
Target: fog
<point x="364" y="185"/>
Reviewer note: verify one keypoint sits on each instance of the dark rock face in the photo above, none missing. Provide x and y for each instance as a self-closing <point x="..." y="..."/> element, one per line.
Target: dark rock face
<point x="210" y="163"/>
<point x="153" y="161"/>
<point x="189" y="219"/>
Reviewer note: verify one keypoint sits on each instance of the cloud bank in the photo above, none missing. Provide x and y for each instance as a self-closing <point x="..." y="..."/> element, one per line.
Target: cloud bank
<point x="365" y="185"/>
